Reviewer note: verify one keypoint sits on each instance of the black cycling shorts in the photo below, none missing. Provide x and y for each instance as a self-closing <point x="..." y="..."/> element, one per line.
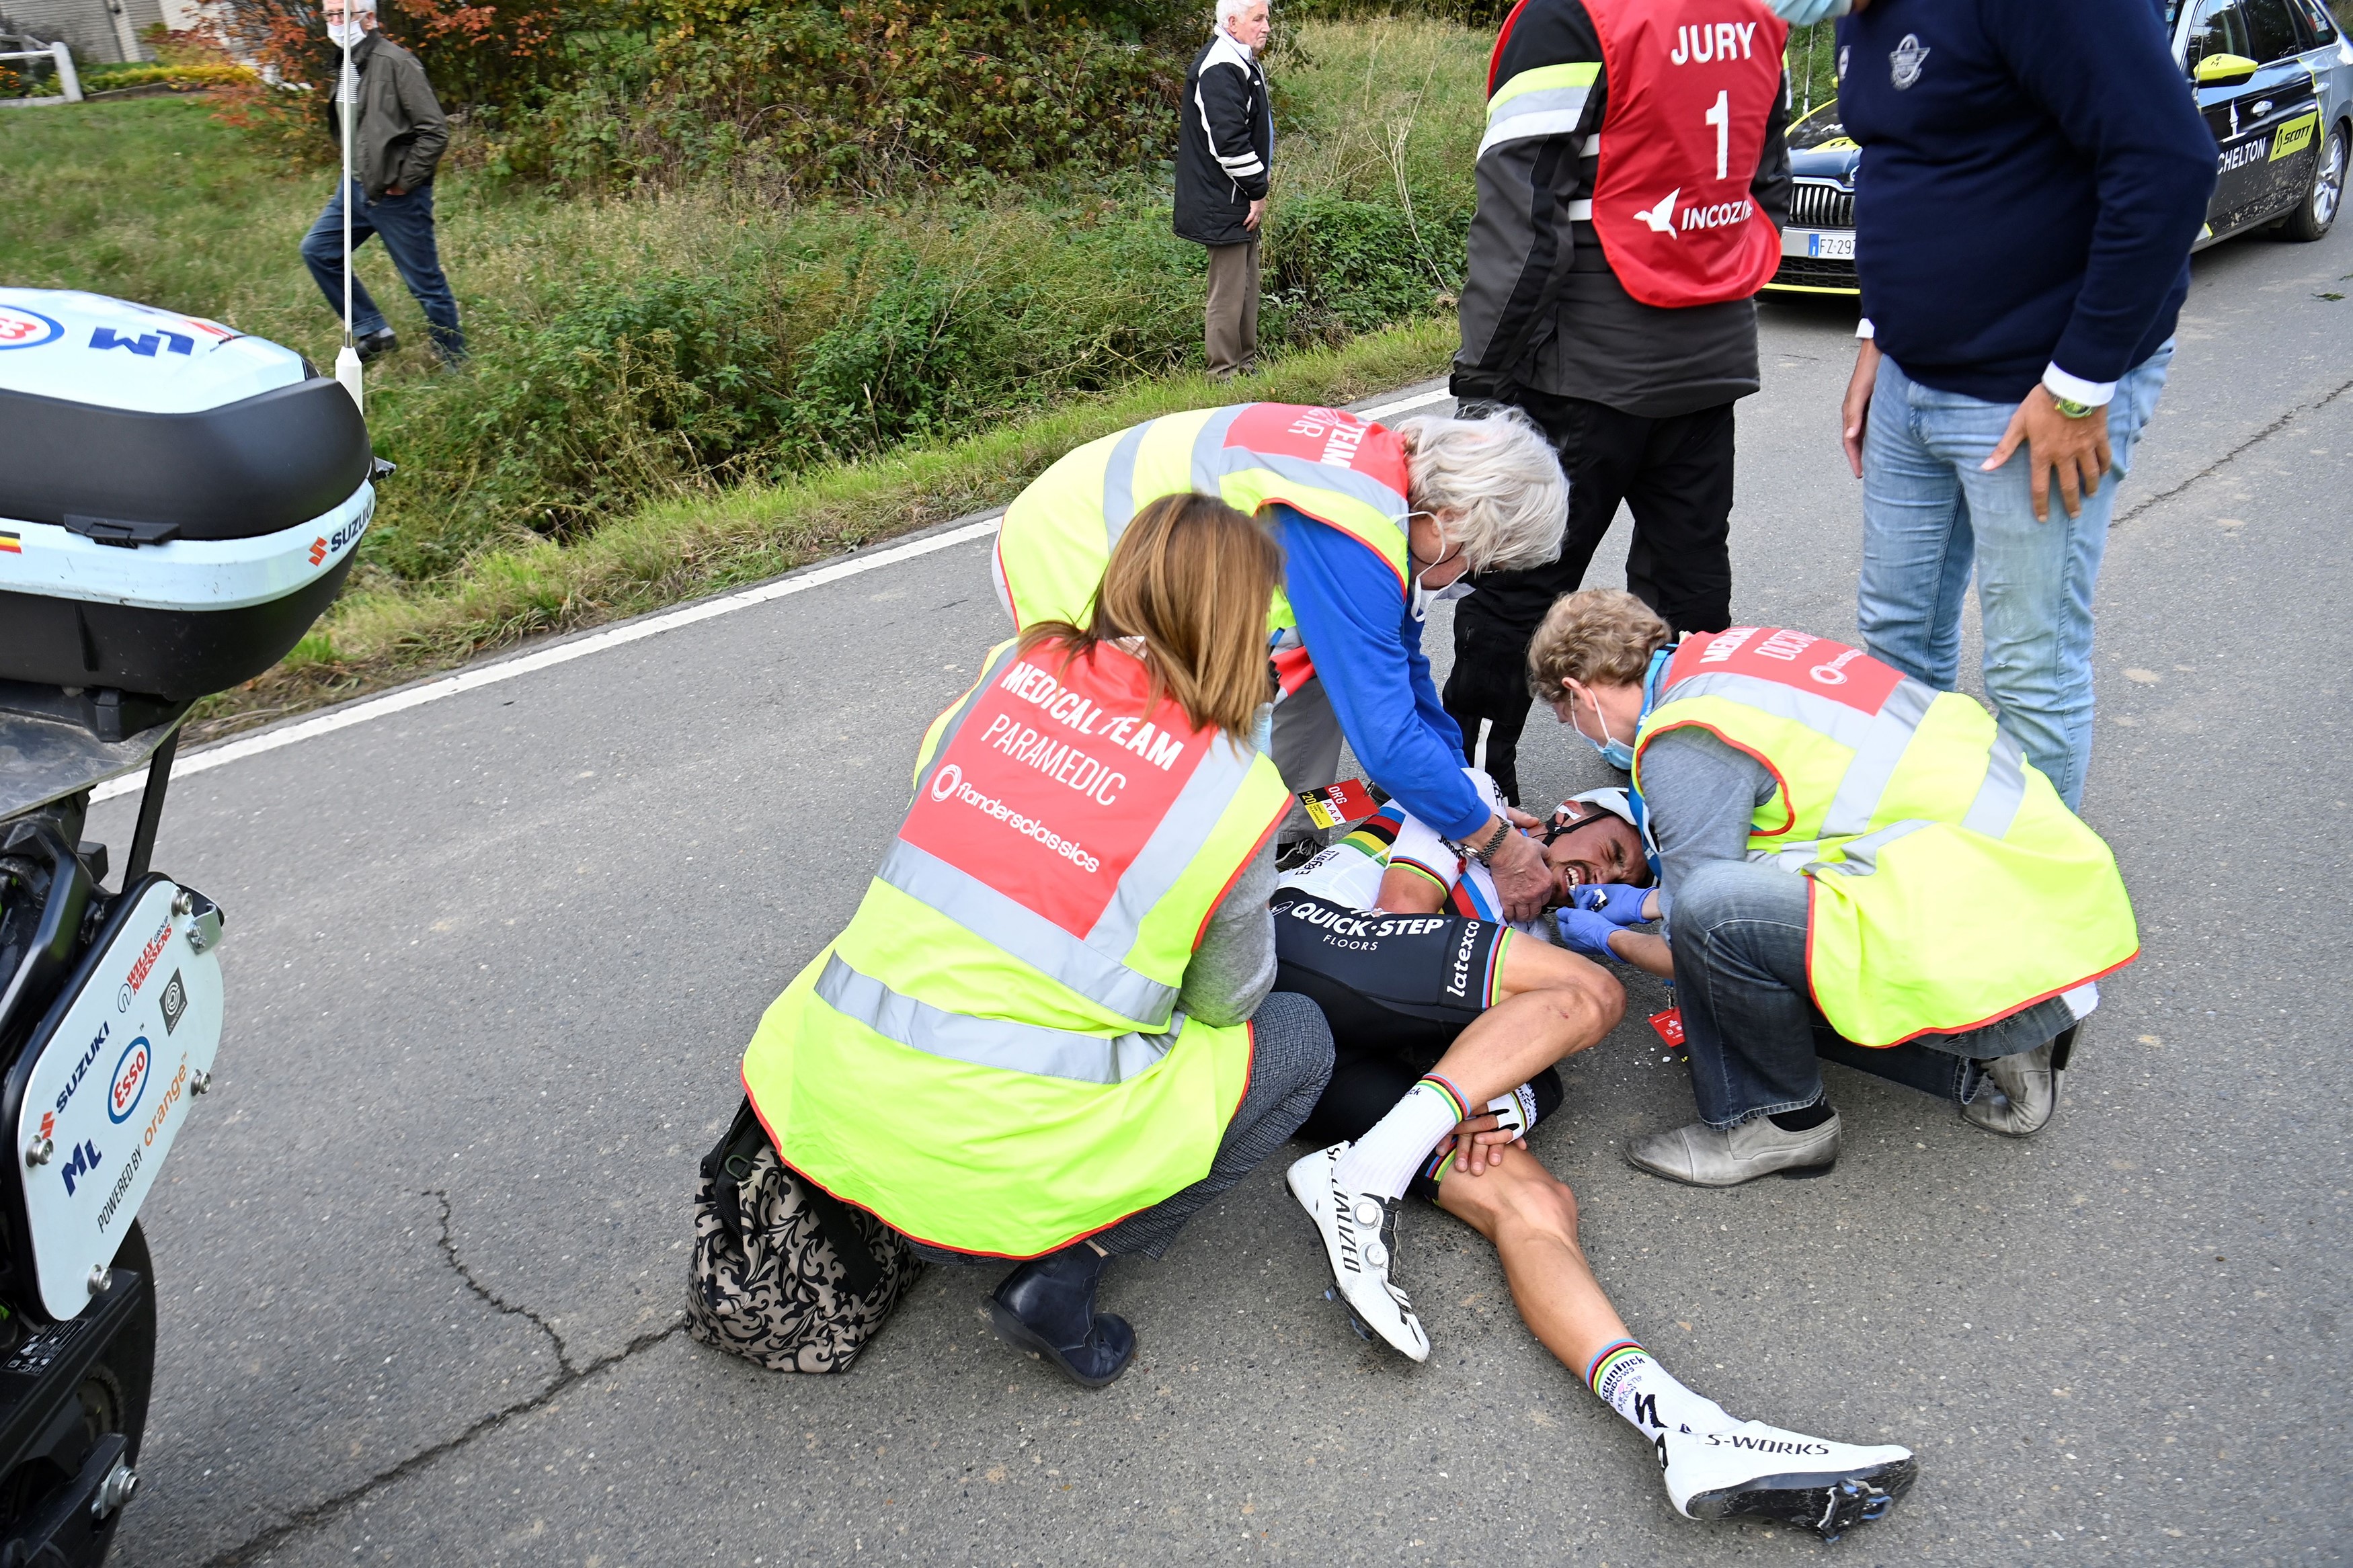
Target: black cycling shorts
<point x="1402" y="985"/>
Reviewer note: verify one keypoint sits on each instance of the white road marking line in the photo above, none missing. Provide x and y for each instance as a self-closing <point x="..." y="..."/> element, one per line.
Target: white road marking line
<point x="597" y="642"/>
<point x="1383" y="410"/>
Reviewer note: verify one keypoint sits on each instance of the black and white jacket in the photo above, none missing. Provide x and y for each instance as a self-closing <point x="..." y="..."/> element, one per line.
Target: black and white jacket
<point x="1225" y="143"/>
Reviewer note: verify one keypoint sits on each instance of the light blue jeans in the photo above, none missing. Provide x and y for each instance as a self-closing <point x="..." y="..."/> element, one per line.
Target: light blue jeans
<point x="1930" y="513"/>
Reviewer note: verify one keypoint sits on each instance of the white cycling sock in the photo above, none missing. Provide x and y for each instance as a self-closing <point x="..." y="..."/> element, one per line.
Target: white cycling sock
<point x="1644" y="1393"/>
<point x="1383" y="1161"/>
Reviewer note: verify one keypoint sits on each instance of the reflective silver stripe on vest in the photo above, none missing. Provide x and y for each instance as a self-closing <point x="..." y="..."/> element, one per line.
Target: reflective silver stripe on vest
<point x="1165" y="856"/>
<point x="1544" y="112"/>
<point x="1865" y="784"/>
<point x="1849" y="727"/>
<point x="1012" y="927"/>
<point x="988" y="677"/>
<point x="989" y="1042"/>
<point x="1119" y="485"/>
<point x="2003" y="792"/>
<point x="1863" y="854"/>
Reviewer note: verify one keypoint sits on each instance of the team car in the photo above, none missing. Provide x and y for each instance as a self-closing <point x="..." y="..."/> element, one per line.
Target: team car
<point x="2273" y="78"/>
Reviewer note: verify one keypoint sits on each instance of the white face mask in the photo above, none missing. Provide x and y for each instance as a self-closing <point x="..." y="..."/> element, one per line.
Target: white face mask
<point x="346" y="35"/>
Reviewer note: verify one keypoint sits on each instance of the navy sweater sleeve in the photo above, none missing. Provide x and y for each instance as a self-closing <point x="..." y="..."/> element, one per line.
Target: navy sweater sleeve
<point x="2152" y="157"/>
<point x="1367" y="653"/>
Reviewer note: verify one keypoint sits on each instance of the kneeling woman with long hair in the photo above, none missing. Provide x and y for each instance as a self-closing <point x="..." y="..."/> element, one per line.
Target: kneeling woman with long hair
<point x="1046" y="1034"/>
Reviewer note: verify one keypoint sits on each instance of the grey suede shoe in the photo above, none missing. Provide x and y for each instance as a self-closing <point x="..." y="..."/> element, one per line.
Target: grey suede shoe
<point x="1701" y="1156"/>
<point x="2020" y="1093"/>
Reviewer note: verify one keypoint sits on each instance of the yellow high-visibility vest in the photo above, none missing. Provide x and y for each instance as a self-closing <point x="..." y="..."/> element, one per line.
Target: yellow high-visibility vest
<point x="1950" y="886"/>
<point x="990" y="1057"/>
<point x="1326" y="463"/>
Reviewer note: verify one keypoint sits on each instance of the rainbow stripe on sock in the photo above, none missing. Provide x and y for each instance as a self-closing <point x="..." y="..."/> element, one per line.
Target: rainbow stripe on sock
<point x="1454" y="1095"/>
<point x="1616" y="1351"/>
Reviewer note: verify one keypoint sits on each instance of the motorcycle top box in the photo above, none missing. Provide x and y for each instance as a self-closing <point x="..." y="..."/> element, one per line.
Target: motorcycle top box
<point x="178" y="502"/>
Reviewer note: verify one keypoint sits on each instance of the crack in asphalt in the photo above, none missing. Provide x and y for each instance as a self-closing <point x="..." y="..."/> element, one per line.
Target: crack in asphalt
<point x="2227" y="458"/>
<point x="497" y="1302"/>
<point x="567" y="1376"/>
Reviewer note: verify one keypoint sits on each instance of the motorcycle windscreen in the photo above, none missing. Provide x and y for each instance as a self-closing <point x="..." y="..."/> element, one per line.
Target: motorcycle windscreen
<point x="109" y="1091"/>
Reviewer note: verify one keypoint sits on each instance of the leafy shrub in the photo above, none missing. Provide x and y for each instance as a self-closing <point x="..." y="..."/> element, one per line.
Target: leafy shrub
<point x="1343" y="266"/>
<point x="184" y="78"/>
<point x="872" y="95"/>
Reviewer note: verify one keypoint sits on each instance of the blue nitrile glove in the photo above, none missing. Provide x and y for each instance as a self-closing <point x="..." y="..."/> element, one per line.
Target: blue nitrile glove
<point x="1805" y="12"/>
<point x="1616" y="902"/>
<point x="1585" y="932"/>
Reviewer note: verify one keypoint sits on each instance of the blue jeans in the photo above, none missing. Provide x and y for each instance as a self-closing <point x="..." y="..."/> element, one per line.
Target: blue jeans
<point x="404" y="224"/>
<point x="1755" y="1038"/>
<point x="1930" y="513"/>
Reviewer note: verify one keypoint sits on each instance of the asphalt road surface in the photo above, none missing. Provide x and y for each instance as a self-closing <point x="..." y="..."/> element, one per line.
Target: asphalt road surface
<point x="491" y="963"/>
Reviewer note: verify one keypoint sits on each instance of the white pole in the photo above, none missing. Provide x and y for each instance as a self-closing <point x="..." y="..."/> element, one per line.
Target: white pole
<point x="347" y="359"/>
<point x="69" y="82"/>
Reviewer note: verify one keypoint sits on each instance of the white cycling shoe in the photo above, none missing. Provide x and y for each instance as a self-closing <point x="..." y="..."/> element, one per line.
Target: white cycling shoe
<point x="1753" y="1470"/>
<point x="1359" y="1231"/>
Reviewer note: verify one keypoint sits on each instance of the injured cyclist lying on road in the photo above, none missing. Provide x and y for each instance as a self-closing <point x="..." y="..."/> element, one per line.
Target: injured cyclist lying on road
<point x="1446" y="1024"/>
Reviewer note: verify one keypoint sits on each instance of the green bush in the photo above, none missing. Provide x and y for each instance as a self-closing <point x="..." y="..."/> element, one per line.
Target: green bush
<point x="871" y="96"/>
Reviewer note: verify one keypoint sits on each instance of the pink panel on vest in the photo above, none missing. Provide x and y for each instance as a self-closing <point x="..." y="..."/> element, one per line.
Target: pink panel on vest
<point x="1056" y="781"/>
<point x="1791" y="658"/>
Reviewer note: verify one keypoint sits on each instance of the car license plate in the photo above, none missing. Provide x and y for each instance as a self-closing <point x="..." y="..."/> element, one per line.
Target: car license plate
<point x="1821" y="244"/>
<point x="110" y="1090"/>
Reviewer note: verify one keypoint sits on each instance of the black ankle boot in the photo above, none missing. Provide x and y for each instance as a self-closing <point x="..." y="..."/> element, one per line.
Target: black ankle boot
<point x="1047" y="1305"/>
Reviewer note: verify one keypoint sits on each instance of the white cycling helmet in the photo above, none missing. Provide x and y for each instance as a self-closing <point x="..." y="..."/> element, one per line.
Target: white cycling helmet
<point x="1618" y="803"/>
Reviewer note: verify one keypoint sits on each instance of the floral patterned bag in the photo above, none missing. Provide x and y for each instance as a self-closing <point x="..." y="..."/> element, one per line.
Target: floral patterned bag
<point x="784" y="1273"/>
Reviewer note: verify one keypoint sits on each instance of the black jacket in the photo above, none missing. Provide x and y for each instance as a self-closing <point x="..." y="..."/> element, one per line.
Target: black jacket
<point x="1541" y="308"/>
<point x="1225" y="143"/>
<point x="401" y="132"/>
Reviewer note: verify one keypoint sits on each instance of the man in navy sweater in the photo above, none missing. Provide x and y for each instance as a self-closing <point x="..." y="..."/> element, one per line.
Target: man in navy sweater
<point x="2033" y="175"/>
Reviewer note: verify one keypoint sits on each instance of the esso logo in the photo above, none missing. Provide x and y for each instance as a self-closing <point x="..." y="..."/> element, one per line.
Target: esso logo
<point x="122" y="1096"/>
<point x="26" y="328"/>
<point x="947" y="782"/>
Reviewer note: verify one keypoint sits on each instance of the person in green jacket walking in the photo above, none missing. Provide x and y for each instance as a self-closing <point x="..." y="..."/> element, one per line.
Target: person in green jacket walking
<point x="397" y="140"/>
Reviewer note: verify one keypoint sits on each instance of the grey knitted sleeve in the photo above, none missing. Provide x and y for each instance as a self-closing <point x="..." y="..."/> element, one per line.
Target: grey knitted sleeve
<point x="1233" y="969"/>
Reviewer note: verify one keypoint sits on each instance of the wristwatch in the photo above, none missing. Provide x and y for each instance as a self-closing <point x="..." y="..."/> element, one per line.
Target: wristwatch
<point x="1485" y="853"/>
<point x="2070" y="408"/>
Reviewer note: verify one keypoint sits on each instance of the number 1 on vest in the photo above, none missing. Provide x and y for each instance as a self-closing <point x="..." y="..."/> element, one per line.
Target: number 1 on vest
<point x="1720" y="118"/>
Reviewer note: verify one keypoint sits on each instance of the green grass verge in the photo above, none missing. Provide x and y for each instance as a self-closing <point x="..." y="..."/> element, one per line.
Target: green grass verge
<point x="684" y="549"/>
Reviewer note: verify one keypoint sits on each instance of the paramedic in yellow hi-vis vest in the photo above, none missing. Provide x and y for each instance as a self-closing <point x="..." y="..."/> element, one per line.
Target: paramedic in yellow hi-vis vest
<point x="1374" y="524"/>
<point x="1851" y="865"/>
<point x="1046" y="1034"/>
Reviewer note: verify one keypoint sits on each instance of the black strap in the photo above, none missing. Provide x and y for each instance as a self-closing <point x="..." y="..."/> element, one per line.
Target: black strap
<point x="729" y="1165"/>
<point x="861" y="1270"/>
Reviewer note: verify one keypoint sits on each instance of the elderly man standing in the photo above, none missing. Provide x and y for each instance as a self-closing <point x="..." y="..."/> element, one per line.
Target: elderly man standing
<point x="396" y="143"/>
<point x="1225" y="147"/>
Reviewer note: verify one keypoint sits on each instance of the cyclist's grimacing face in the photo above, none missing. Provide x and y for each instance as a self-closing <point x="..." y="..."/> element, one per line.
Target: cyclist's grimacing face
<point x="1602" y="849"/>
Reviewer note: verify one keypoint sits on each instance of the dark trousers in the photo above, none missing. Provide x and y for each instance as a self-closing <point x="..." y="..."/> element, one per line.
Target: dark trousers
<point x="1756" y="1041"/>
<point x="1675" y="476"/>
<point x="404" y="224"/>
